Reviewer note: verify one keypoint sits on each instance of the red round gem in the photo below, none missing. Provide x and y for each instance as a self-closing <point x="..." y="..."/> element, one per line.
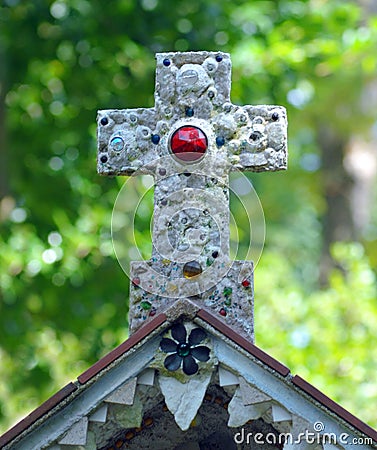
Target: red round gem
<point x="222" y="312"/>
<point x="246" y="283"/>
<point x="188" y="143"/>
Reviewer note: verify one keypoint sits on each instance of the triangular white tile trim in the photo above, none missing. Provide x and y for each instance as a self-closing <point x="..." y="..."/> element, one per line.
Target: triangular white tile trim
<point x="76" y="435"/>
<point x="239" y="413"/>
<point x="250" y="394"/>
<point x="146" y="377"/>
<point x="280" y="414"/>
<point x="184" y="399"/>
<point x="100" y="415"/>
<point x="299" y="428"/>
<point x="124" y="395"/>
<point x="227" y="378"/>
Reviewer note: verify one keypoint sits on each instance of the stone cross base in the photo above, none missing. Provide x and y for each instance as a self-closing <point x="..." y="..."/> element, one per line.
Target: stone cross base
<point x="231" y="297"/>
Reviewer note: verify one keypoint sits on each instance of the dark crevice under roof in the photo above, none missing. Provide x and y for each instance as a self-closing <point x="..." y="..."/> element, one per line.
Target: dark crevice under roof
<point x="221" y="327"/>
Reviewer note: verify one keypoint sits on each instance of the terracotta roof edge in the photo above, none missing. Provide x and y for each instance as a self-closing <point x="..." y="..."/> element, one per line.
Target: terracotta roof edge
<point x="244" y="343"/>
<point x="37" y="413"/>
<point x="133" y="340"/>
<point x="334" y="407"/>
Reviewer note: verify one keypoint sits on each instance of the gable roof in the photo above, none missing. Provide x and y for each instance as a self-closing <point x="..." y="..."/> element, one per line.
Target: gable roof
<point x="156" y="326"/>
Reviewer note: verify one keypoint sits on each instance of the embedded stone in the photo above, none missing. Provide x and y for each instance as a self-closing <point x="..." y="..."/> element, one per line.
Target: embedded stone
<point x="117" y="144"/>
<point x="188" y="143"/>
<point x="192" y="269"/>
<point x="245" y="283"/>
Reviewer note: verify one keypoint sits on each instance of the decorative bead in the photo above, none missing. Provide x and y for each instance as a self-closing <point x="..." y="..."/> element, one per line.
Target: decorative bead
<point x="164" y="202"/>
<point x="192" y="269"/>
<point x="152" y="312"/>
<point x="275" y="116"/>
<point x="148" y="422"/>
<point x="117" y="143"/>
<point x="104" y="121"/>
<point x="162" y="171"/>
<point x="222" y="312"/>
<point x="166" y="62"/>
<point x="246" y="283"/>
<point x="220" y="141"/>
<point x="103" y="159"/>
<point x="188" y="143"/>
<point x="183" y="350"/>
<point x="228" y="302"/>
<point x="189" y="112"/>
<point x="146" y="305"/>
<point x="155" y="138"/>
<point x="227" y="291"/>
<point x="136" y="281"/>
<point x="215" y="254"/>
<point x="128" y="436"/>
<point x="187" y="174"/>
<point x="219" y="58"/>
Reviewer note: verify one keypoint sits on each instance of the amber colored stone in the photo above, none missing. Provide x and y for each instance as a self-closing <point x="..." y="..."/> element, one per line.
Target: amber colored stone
<point x="192" y="269"/>
<point x="129" y="435"/>
<point x="218" y="400"/>
<point x="148" y="422"/>
<point x="188" y="143"/>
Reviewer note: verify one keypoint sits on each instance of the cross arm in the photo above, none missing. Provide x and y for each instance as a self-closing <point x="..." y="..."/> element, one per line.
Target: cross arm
<point x="124" y="139"/>
<point x="259" y="138"/>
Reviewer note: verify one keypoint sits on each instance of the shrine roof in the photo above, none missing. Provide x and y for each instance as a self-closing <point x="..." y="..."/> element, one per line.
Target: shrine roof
<point x="72" y="389"/>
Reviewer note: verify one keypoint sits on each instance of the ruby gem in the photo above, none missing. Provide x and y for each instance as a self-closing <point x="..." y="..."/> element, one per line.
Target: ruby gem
<point x="188" y="143"/>
<point x="246" y="283"/>
<point x="222" y="312"/>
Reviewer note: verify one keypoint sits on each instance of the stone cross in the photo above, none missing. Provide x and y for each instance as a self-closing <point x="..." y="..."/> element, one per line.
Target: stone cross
<point x="189" y="142"/>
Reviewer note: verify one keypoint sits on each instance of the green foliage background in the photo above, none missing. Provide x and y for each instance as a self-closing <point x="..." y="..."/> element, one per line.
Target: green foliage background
<point x="63" y="295"/>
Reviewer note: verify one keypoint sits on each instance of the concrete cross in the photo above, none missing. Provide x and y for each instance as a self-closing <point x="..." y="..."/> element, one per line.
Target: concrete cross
<point x="189" y="142"/>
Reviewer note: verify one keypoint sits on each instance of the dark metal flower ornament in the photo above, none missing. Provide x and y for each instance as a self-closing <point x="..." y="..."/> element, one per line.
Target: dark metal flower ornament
<point x="184" y="351"/>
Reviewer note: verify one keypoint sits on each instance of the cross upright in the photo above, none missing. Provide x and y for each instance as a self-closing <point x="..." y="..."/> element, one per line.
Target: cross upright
<point x="189" y="142"/>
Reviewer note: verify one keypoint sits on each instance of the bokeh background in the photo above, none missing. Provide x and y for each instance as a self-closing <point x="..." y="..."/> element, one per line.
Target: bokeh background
<point x="63" y="295"/>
